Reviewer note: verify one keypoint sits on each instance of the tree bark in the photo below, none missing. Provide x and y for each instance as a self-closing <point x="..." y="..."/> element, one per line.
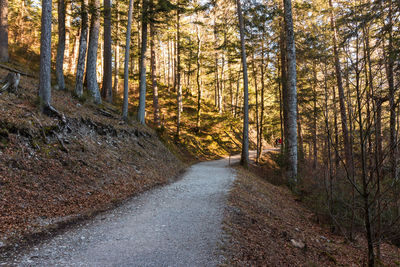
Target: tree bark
<point x="178" y="73"/>
<point x="45" y="56"/>
<point x="117" y="62"/>
<point x="4" y="57"/>
<point x="126" y="63"/>
<point x="339" y="81"/>
<point x="91" y="68"/>
<point x="291" y="95"/>
<point x="154" y="84"/>
<point x="142" y="67"/>
<point x="198" y="77"/>
<point x="80" y="69"/>
<point x="244" y="160"/>
<point x="107" y="54"/>
<point x="61" y="45"/>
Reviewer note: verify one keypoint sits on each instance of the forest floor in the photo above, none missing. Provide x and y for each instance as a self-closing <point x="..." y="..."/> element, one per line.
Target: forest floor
<point x="267" y="225"/>
<point x="175" y="225"/>
<point x="53" y="174"/>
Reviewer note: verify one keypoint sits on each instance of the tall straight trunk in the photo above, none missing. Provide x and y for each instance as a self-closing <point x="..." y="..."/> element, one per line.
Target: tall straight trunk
<point x="4" y="31"/>
<point x="142" y="69"/>
<point x="61" y="45"/>
<point x="117" y="62"/>
<point x="256" y="114"/>
<point x="392" y="105"/>
<point x="231" y="89"/>
<point x="339" y="81"/>
<point x="107" y="54"/>
<point x="169" y="65"/>
<point x="156" y="109"/>
<point x="198" y="77"/>
<point x="314" y="127"/>
<point x="80" y="69"/>
<point x="67" y="52"/>
<point x="336" y="128"/>
<point x="284" y="84"/>
<point x="188" y="90"/>
<point x="364" y="178"/>
<point x="280" y="93"/>
<point x="221" y="86"/>
<point x="45" y="56"/>
<point x="260" y="146"/>
<point x="237" y="94"/>
<point x="300" y="137"/>
<point x="178" y="73"/>
<point x="291" y="95"/>
<point x="91" y="65"/>
<point x="126" y="62"/>
<point x="75" y="53"/>
<point x="328" y="141"/>
<point x="244" y="160"/>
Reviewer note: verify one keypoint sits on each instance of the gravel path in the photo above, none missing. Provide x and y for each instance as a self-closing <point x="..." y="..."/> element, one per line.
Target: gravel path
<point x="176" y="225"/>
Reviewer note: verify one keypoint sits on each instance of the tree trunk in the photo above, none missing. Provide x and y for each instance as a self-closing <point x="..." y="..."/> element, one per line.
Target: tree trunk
<point x="198" y="77"/>
<point x="80" y="69"/>
<point x="75" y="53"/>
<point x="345" y="131"/>
<point x="291" y="95"/>
<point x="107" y="68"/>
<point x="260" y="147"/>
<point x="256" y="114"/>
<point x="126" y="63"/>
<point x="91" y="67"/>
<point x="392" y="105"/>
<point x="45" y="56"/>
<point x="142" y="67"/>
<point x="117" y="62"/>
<point x="153" y="69"/>
<point x="178" y="74"/>
<point x="61" y="45"/>
<point x="314" y="127"/>
<point x="244" y="160"/>
<point x="4" y="31"/>
<point x="67" y="53"/>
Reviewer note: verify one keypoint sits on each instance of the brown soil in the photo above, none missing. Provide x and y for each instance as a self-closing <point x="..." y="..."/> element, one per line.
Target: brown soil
<point x="53" y="173"/>
<point x="268" y="226"/>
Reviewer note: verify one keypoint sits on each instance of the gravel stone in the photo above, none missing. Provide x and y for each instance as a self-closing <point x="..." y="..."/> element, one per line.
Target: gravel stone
<point x="175" y="225"/>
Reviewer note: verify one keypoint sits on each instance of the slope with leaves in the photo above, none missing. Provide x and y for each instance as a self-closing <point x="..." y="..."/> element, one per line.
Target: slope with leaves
<point x="53" y="173"/>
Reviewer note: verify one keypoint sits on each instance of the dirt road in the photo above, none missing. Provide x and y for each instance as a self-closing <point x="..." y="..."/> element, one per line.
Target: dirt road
<point x="175" y="225"/>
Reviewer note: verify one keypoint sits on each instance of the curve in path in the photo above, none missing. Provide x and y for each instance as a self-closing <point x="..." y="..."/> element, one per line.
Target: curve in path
<point x="175" y="225"/>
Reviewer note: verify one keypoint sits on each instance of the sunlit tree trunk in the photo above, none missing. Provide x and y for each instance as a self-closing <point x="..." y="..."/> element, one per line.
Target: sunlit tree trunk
<point x="80" y="69"/>
<point x="154" y="84"/>
<point x="117" y="53"/>
<point x="126" y="62"/>
<point x="198" y="77"/>
<point x="178" y="74"/>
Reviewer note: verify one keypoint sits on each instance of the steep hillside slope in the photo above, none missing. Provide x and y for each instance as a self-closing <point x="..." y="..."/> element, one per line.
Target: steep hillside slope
<point x="54" y="172"/>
